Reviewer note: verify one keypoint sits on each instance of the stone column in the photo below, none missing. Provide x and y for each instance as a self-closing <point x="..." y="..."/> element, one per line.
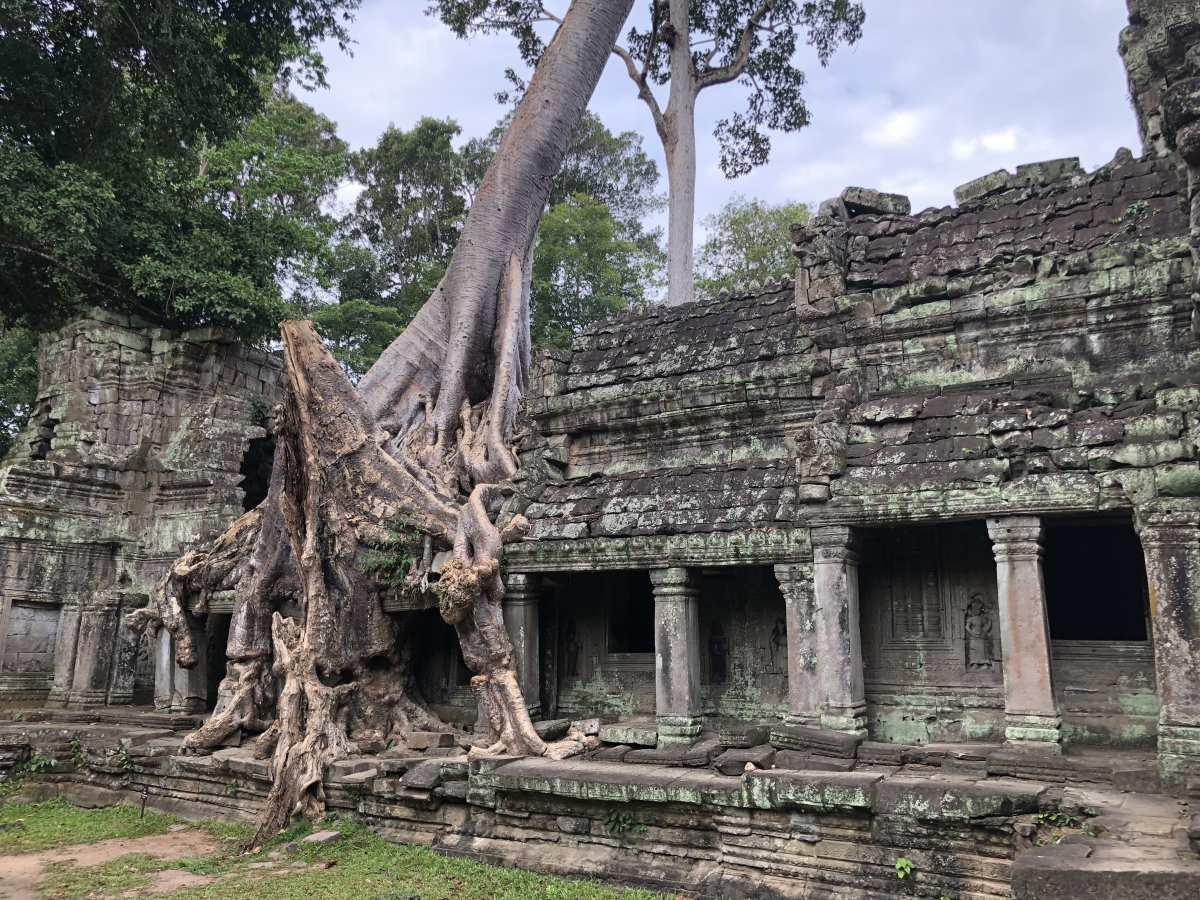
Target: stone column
<point x="164" y="670"/>
<point x="177" y="689"/>
<point x="838" y="635"/>
<point x="1171" y="544"/>
<point x="98" y="621"/>
<point x="1030" y="708"/>
<point x="65" y="641"/>
<point x="676" y="656"/>
<point x="520" y="608"/>
<point x="805" y="698"/>
<point x="191" y="685"/>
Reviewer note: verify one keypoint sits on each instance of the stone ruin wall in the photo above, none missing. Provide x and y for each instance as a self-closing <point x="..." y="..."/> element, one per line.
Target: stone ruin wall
<point x="134" y="454"/>
<point x="1030" y="352"/>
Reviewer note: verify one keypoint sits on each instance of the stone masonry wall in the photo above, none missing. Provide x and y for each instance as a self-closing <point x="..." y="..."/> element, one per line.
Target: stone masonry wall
<point x="133" y="454"/>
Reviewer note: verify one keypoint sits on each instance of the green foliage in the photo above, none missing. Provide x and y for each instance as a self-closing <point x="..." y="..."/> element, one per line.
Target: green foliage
<point x="747" y="240"/>
<point x="78" y="757"/>
<point x="408" y="214"/>
<point x="623" y="823"/>
<point x="391" y="558"/>
<point x="582" y="270"/>
<point x="121" y="759"/>
<point x="18" y="381"/>
<point x="772" y="83"/>
<point x="904" y="867"/>
<point x="129" y="156"/>
<point x="1058" y="819"/>
<point x="592" y="256"/>
<point x="39" y="763"/>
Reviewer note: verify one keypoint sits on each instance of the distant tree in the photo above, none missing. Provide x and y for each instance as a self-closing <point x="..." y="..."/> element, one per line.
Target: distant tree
<point x="107" y="114"/>
<point x="583" y="269"/>
<point x="747" y="240"/>
<point x="693" y="45"/>
<point x="18" y="381"/>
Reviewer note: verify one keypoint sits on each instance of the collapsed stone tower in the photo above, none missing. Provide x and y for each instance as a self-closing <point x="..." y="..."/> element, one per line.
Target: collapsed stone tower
<point x="142" y="443"/>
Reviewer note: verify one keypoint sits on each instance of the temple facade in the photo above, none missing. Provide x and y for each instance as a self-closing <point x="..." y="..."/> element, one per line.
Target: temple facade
<point x="142" y="444"/>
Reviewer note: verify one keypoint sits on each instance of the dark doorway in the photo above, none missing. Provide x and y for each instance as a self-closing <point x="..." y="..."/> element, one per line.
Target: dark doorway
<point x="1095" y="582"/>
<point x="256" y="471"/>
<point x="630" y="613"/>
<point x="218" y="639"/>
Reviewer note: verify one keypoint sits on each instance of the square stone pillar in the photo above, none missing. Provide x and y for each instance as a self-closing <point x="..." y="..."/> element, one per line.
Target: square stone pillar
<point x="129" y="642"/>
<point x="520" y="608"/>
<point x="676" y="656"/>
<point x="838" y="635"/>
<point x="65" y="641"/>
<point x="805" y="699"/>
<point x="1171" y="545"/>
<point x="94" y="651"/>
<point x="1030" y="709"/>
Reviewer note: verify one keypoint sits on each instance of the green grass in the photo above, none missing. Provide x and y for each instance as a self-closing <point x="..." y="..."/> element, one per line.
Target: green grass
<point x="358" y="866"/>
<point x="56" y="823"/>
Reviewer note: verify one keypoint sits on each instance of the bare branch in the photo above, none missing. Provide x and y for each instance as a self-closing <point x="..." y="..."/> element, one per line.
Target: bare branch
<point x="644" y="92"/>
<point x="737" y="65"/>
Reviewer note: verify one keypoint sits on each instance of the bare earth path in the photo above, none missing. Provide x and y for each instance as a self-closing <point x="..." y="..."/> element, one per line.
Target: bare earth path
<point x="20" y="874"/>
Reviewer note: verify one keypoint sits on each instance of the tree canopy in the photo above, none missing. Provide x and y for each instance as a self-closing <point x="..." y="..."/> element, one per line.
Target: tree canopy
<point x="115" y="124"/>
<point x="747" y="240"/>
<point x="593" y="254"/>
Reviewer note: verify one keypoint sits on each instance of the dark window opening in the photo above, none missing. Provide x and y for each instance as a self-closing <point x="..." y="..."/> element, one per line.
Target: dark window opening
<point x="630" y="613"/>
<point x="256" y="471"/>
<point x="1095" y="583"/>
<point x="39" y="447"/>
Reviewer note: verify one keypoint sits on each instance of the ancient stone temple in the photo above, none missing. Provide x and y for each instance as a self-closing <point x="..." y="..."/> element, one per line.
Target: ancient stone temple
<point x="896" y="561"/>
<point x="142" y="443"/>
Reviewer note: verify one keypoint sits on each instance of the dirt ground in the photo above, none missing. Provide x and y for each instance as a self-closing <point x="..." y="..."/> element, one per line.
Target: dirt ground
<point x="20" y="874"/>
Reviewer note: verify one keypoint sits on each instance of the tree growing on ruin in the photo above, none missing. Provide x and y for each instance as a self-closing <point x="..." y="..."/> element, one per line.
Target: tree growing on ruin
<point x="689" y="46"/>
<point x="747" y="240"/>
<point x="418" y="455"/>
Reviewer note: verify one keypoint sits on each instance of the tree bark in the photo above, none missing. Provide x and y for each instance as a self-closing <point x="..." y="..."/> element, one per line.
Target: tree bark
<point x="680" y="150"/>
<point x="425" y="441"/>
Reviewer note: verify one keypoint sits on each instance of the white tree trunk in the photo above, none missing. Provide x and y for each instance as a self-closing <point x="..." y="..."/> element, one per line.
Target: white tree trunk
<point x="681" y="161"/>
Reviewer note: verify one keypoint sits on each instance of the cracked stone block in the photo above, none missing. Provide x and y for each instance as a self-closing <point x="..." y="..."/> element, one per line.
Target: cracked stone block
<point x="733" y="762"/>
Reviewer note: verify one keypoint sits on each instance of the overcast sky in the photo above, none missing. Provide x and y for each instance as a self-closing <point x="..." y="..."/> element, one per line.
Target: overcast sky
<point x="936" y="93"/>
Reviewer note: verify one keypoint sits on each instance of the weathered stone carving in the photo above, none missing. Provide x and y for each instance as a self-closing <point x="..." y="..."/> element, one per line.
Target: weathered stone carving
<point x="977" y="625"/>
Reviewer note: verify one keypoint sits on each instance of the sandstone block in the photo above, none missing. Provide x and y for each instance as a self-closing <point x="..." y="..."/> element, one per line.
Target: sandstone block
<point x="424" y="740"/>
<point x="635" y="735"/>
<point x="733" y="762"/>
<point x="322" y="837"/>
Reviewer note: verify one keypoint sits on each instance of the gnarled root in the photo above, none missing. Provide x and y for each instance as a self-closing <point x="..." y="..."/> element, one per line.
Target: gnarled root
<point x="197" y="574"/>
<point x="311" y="730"/>
<point x="249" y="689"/>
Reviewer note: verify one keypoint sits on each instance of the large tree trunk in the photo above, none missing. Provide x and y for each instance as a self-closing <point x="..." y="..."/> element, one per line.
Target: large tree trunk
<point x="680" y="151"/>
<point x="424" y="443"/>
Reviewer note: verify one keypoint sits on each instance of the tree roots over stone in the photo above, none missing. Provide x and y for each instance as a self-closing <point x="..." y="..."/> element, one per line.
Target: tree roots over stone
<point x="424" y="443"/>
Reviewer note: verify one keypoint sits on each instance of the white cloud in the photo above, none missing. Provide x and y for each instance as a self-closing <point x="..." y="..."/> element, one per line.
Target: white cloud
<point x="990" y="142"/>
<point x="897" y="129"/>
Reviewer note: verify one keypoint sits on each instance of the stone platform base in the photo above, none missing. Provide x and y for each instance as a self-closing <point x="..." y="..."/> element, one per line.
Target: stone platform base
<point x="766" y="832"/>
